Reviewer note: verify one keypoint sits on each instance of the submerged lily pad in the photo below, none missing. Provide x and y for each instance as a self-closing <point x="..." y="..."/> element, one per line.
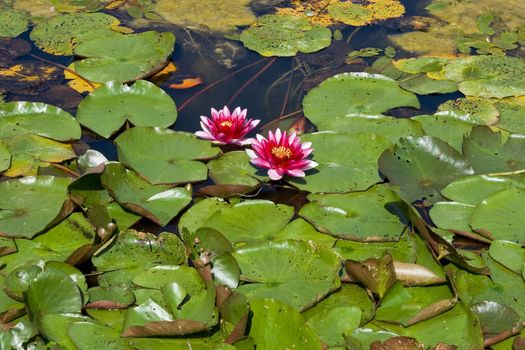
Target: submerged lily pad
<point x="159" y="203"/>
<point x="348" y="93"/>
<point x="60" y="34"/>
<point x="28" y="205"/>
<point x="422" y="166"/>
<point x="107" y="108"/>
<point x="12" y="22"/>
<point x="488" y="76"/>
<point x="374" y="215"/>
<point x="165" y="156"/>
<point x="298" y="273"/>
<point x="123" y="57"/>
<point x="217" y="15"/>
<point x="341" y="171"/>
<point x="285" y="35"/>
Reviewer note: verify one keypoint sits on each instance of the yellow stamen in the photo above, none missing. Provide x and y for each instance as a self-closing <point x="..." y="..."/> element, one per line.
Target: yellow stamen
<point x="226" y="123"/>
<point x="282" y="152"/>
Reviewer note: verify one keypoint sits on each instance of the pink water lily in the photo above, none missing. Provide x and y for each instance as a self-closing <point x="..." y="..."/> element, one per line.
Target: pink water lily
<point x="224" y="127"/>
<point x="281" y="154"/>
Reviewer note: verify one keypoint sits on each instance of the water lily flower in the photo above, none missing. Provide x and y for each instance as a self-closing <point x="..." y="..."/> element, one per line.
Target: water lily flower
<point x="281" y="154"/>
<point x="224" y="127"/>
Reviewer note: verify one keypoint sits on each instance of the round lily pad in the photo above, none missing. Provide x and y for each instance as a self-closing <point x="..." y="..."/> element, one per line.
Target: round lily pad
<point x="234" y="168"/>
<point x="347" y="93"/>
<point x="39" y="119"/>
<point x="295" y="272"/>
<point x="159" y="203"/>
<point x="123" y="57"/>
<point x="285" y="35"/>
<point x="12" y="22"/>
<point x="143" y="104"/>
<point x="501" y="215"/>
<point x="61" y="33"/>
<point x="28" y="205"/>
<point x="373" y="215"/>
<point x="445" y="126"/>
<point x="341" y="170"/>
<point x="165" y="156"/>
<point x="422" y="166"/>
<point x="5" y="156"/>
<point x="473" y="110"/>
<point x="388" y="127"/>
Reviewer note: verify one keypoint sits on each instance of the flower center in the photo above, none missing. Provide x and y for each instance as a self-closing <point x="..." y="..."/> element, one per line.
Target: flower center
<point x="226" y="123"/>
<point x="282" y="152"/>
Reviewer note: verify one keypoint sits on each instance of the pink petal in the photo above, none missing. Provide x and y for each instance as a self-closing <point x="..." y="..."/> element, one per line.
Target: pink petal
<point x="274" y="174"/>
<point x="205" y="135"/>
<point x="226" y="111"/>
<point x="295" y="172"/>
<point x="260" y="162"/>
<point x="311" y="164"/>
<point x="278" y="135"/>
<point x="244" y="142"/>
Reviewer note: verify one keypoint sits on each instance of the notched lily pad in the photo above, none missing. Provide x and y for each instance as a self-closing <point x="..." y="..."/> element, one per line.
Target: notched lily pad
<point x="107" y="108"/>
<point x="347" y="93"/>
<point x="165" y="156"/>
<point x="285" y="35"/>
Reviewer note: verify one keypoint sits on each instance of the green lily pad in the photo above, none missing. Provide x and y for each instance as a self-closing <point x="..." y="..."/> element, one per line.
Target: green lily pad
<point x="123" y="57"/>
<point x="509" y="254"/>
<point x="234" y="168"/>
<point x="298" y="273"/>
<point x="473" y="189"/>
<point x="495" y="318"/>
<point x="356" y="14"/>
<point x="285" y="35"/>
<point x="5" y="156"/>
<point x="404" y="250"/>
<point x="159" y="203"/>
<point x="88" y="336"/>
<point x="300" y="229"/>
<point x="388" y="127"/>
<point x="28" y="205"/>
<point x="19" y="335"/>
<point x="488" y="76"/>
<point x="501" y="216"/>
<point x="410" y="305"/>
<point x="421" y="64"/>
<point x="511" y="116"/>
<point x="491" y="152"/>
<point x="452" y="215"/>
<point x="216" y="15"/>
<point x="342" y="171"/>
<point x="29" y="152"/>
<point x="39" y="119"/>
<point x="133" y="252"/>
<point x="473" y="110"/>
<point x="165" y="156"/>
<point x="55" y="327"/>
<point x="377" y="214"/>
<point x="60" y="34"/>
<point x="198" y="213"/>
<point x="422" y="166"/>
<point x="114" y="297"/>
<point x="248" y="221"/>
<point x="446" y="127"/>
<point x="423" y="85"/>
<point x="12" y="22"/>
<point x="348" y="93"/>
<point x="276" y="325"/>
<point x="107" y="108"/>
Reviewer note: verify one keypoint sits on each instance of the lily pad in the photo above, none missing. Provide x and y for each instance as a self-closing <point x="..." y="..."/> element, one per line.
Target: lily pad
<point x="422" y="166"/>
<point x="39" y="119"/>
<point x="88" y="335"/>
<point x="165" y="156"/>
<point x="373" y="215"/>
<point x="5" y="156"/>
<point x="509" y="254"/>
<point x="123" y="57"/>
<point x="501" y="215"/>
<point x="342" y="171"/>
<point x="478" y="111"/>
<point x="107" y="108"/>
<point x="28" y="205"/>
<point x="198" y="213"/>
<point x="234" y="168"/>
<point x="511" y="116"/>
<point x="60" y="34"/>
<point x="388" y="127"/>
<point x="159" y="203"/>
<point x="491" y="152"/>
<point x="29" y="152"/>
<point x="285" y="35"/>
<point x="287" y="327"/>
<point x="298" y="273"/>
<point x="347" y="93"/>
<point x="12" y="22"/>
<point x="355" y="14"/>
<point x="488" y="76"/>
<point x="445" y="126"/>
<point x="423" y="85"/>
<point x="248" y="221"/>
<point x="217" y="15"/>
<point x="404" y="249"/>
